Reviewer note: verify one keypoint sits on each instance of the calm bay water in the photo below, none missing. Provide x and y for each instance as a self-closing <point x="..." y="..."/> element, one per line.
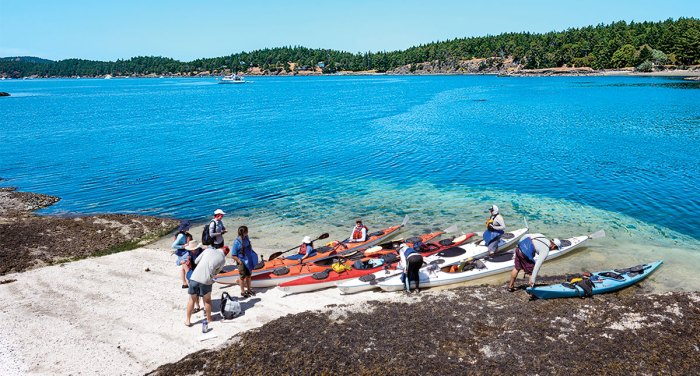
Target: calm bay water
<point x="570" y="154"/>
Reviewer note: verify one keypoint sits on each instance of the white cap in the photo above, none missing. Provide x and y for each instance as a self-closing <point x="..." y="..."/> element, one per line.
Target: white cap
<point x="557" y="242"/>
<point x="494" y="209"/>
<point x="307" y="240"/>
<point x="219" y="211"/>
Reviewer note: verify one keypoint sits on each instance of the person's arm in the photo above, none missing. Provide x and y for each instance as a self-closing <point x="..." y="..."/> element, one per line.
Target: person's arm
<point x="498" y="223"/>
<point x="541" y="256"/>
<point x="309" y="249"/>
<point x="196" y="261"/>
<point x="179" y="242"/>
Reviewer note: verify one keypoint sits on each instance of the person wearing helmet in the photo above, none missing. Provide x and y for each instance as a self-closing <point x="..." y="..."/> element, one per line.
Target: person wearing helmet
<point x="217" y="228"/>
<point x="530" y="253"/>
<point x="495" y="228"/>
<point x="306" y="250"/>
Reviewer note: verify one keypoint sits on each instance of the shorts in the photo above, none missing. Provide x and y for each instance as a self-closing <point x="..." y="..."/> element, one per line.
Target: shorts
<point x="522" y="262"/>
<point x="199" y="289"/>
<point x="243" y="270"/>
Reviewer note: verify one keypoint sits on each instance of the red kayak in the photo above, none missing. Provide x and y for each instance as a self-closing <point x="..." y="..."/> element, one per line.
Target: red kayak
<point x="324" y="252"/>
<point x="330" y="278"/>
<point x="292" y="272"/>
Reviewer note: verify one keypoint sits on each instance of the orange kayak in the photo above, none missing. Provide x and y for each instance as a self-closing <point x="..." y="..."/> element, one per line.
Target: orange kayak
<point x="324" y="252"/>
<point x="292" y="272"/>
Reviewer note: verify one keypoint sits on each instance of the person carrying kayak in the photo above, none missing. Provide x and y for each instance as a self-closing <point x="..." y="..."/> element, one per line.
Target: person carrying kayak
<point x="495" y="228"/>
<point x="530" y="253"/>
<point x="306" y="250"/>
<point x="359" y="233"/>
<point x="246" y="259"/>
<point x="410" y="261"/>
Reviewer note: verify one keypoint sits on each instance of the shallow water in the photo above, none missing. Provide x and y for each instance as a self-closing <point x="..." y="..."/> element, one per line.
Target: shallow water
<point x="309" y="154"/>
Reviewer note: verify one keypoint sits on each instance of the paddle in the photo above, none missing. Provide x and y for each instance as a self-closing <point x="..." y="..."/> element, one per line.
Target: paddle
<point x="278" y="254"/>
<point x="597" y="234"/>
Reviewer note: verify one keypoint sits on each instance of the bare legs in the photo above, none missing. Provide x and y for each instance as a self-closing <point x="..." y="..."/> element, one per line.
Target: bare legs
<point x="194" y="300"/>
<point x="245" y="285"/>
<point x="513" y="277"/>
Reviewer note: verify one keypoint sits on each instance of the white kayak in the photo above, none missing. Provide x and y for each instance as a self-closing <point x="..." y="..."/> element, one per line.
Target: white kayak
<point x="439" y="275"/>
<point x="444" y="258"/>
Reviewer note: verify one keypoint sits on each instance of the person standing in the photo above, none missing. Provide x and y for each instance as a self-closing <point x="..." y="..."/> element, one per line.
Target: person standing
<point x="359" y="233"/>
<point x="495" y="228"/>
<point x="530" y="253"/>
<point x="411" y="262"/>
<point x="217" y="228"/>
<point x="246" y="259"/>
<point x="209" y="263"/>
<point x="182" y="237"/>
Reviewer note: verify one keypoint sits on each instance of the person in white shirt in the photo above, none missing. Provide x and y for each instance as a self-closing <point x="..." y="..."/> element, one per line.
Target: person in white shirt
<point x="530" y="253"/>
<point x="209" y="263"/>
<point x="359" y="233"/>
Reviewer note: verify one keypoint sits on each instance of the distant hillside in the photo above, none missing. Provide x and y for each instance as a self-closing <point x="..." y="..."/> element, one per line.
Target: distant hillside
<point x="26" y="59"/>
<point x="644" y="45"/>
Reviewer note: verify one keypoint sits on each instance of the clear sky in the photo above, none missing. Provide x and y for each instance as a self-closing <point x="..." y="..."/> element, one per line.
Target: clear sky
<point x="185" y="30"/>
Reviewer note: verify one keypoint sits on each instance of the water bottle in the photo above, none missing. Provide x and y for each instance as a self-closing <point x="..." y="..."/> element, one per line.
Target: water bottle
<point x="205" y="327"/>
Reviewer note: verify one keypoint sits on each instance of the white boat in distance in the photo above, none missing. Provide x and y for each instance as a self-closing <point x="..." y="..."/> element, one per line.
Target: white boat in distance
<point x="232" y="79"/>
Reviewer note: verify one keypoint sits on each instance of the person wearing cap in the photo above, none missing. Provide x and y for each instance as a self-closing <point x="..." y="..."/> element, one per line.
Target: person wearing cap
<point x="410" y="261"/>
<point x="209" y="263"/>
<point x="495" y="228"/>
<point x="217" y="228"/>
<point x="246" y="259"/>
<point x="359" y="233"/>
<point x="306" y="250"/>
<point x="179" y="248"/>
<point x="530" y="253"/>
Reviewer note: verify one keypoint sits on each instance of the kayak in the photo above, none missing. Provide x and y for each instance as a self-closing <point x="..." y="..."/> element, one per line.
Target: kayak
<point x="439" y="275"/>
<point x="319" y="281"/>
<point x="447" y="257"/>
<point x="374" y="238"/>
<point x="292" y="272"/>
<point x="603" y="282"/>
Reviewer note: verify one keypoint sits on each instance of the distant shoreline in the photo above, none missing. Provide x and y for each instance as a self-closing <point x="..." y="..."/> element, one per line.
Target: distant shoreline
<point x="547" y="72"/>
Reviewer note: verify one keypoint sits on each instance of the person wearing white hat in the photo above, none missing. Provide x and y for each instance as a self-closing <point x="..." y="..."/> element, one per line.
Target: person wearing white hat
<point x="306" y="250"/>
<point x="217" y="228"/>
<point x="495" y="228"/>
<point x="530" y="253"/>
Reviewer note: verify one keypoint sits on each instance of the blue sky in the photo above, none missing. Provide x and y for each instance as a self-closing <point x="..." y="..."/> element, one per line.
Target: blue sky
<point x="185" y="30"/>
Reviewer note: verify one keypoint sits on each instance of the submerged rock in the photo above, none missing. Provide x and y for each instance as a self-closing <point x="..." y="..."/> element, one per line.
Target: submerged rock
<point x="471" y="330"/>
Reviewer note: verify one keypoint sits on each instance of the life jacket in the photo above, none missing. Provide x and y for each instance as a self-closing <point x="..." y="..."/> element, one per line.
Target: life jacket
<point x="357" y="232"/>
<point x="409" y="251"/>
<point x="527" y="247"/>
<point x="303" y="247"/>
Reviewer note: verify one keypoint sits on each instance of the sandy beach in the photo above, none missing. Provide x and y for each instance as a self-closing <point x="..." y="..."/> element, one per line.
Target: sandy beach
<point x="110" y="316"/>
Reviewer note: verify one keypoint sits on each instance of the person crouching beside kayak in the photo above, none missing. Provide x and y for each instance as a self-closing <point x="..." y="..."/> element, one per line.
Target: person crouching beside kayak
<point x="411" y="262"/>
<point x="359" y="233"/>
<point x="209" y="263"/>
<point x="495" y="228"/>
<point x="306" y="250"/>
<point x="246" y="259"/>
<point x="528" y="247"/>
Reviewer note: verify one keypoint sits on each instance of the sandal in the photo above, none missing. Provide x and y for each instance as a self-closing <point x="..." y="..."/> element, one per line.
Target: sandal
<point x="251" y="293"/>
<point x="185" y="286"/>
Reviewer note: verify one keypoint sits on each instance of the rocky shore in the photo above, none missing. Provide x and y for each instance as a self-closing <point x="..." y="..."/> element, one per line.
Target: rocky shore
<point x="31" y="240"/>
<point x="480" y="330"/>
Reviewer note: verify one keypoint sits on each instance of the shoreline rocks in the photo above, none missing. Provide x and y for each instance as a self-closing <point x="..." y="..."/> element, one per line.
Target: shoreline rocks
<point x="31" y="240"/>
<point x="481" y="330"/>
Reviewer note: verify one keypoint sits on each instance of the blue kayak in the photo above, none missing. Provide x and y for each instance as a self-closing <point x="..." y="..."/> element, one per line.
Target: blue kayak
<point x="602" y="282"/>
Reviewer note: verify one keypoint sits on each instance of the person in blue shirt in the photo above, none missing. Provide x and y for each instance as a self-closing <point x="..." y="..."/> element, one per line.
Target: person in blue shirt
<point x="182" y="237"/>
<point x="246" y="259"/>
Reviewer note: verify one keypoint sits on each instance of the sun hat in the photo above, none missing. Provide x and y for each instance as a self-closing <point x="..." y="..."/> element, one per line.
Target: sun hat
<point x="219" y="211"/>
<point x="307" y="240"/>
<point x="184" y="226"/>
<point x="192" y="245"/>
<point x="557" y="242"/>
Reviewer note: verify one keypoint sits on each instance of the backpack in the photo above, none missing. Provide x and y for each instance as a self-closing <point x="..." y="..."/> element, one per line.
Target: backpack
<point x="230" y="307"/>
<point x="206" y="238"/>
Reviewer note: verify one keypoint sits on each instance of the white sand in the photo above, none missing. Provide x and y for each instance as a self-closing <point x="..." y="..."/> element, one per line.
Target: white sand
<point x="107" y="315"/>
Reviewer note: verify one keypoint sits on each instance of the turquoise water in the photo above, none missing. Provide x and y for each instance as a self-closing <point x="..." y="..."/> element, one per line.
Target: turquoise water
<point x="570" y="154"/>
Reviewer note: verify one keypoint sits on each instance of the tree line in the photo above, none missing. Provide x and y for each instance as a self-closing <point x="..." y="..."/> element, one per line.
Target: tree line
<point x="616" y="45"/>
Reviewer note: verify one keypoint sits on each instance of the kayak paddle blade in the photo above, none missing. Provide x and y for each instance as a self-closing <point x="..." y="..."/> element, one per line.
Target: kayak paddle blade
<point x="274" y="256"/>
<point x="526" y="225"/>
<point x="450" y="229"/>
<point x="323" y="236"/>
<point x="405" y="220"/>
<point x="597" y="234"/>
